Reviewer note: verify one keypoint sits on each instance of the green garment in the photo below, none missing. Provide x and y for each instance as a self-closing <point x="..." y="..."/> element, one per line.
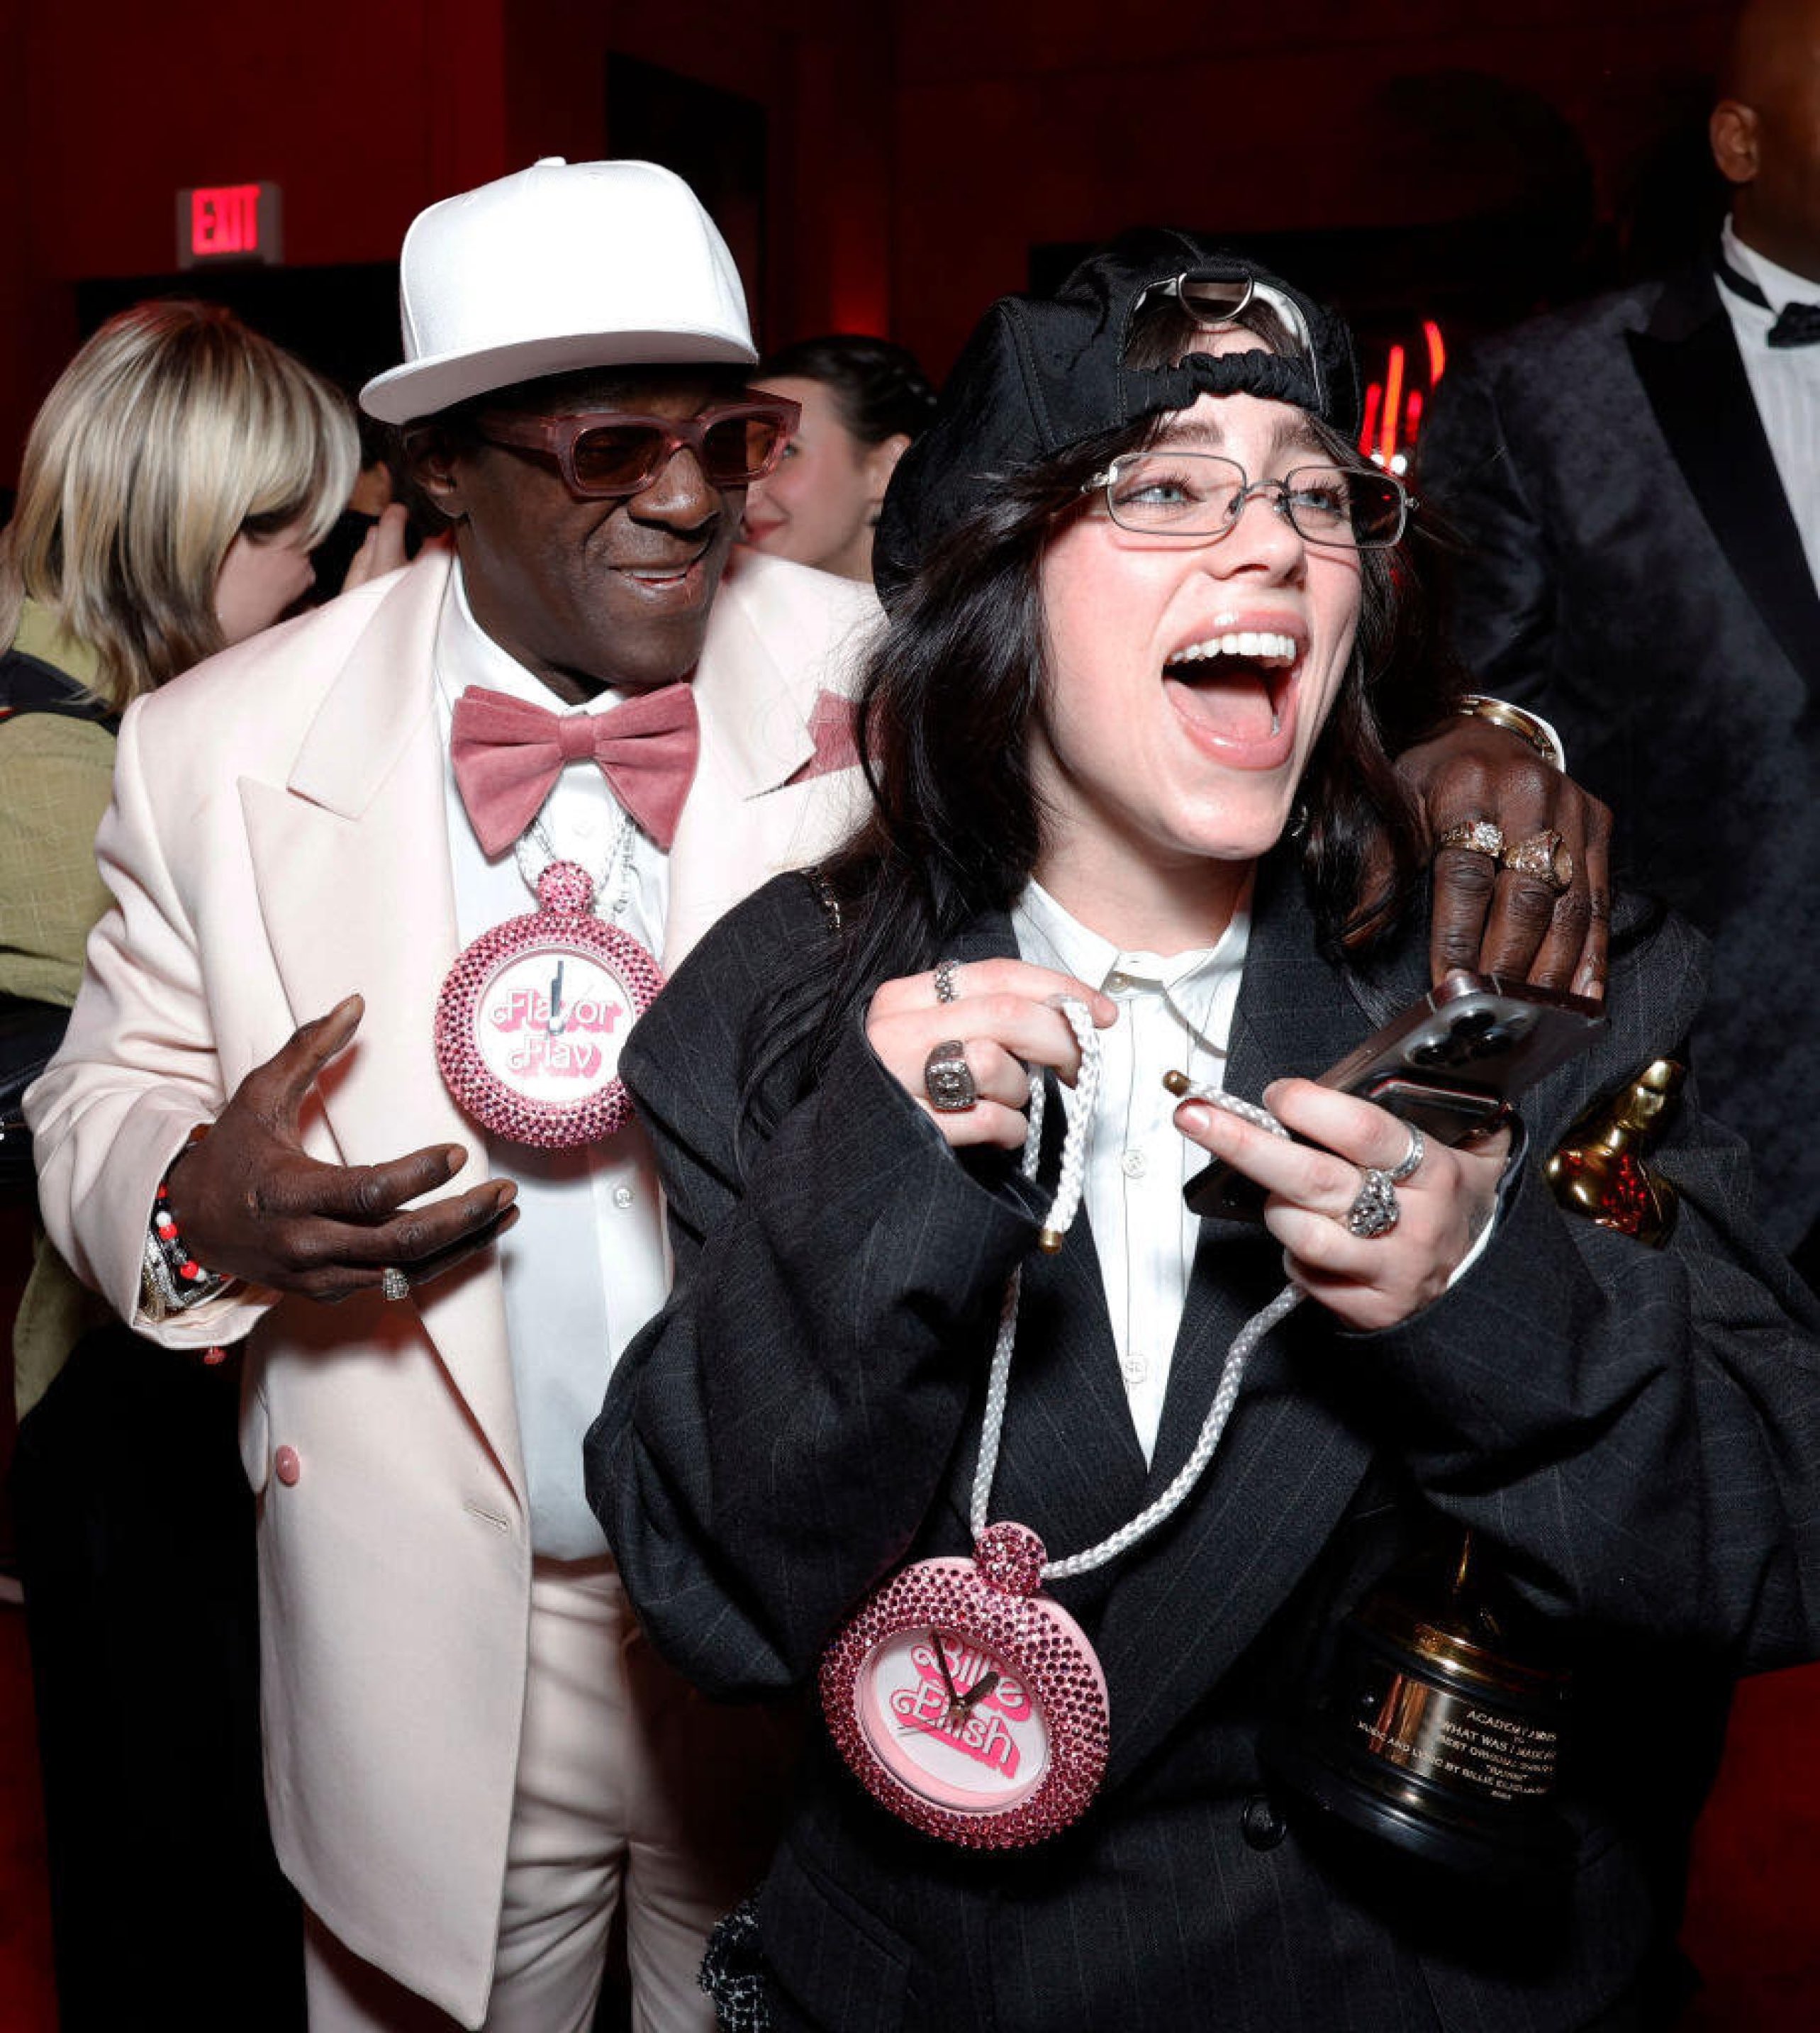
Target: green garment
<point x="56" y="776"/>
<point x="40" y="634"/>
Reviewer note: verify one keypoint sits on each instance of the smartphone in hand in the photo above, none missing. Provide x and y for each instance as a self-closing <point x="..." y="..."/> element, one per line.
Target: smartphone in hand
<point x="1451" y="1063"/>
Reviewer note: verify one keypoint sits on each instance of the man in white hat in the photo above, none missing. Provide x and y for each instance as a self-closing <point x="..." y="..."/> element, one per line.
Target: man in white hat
<point x="315" y="841"/>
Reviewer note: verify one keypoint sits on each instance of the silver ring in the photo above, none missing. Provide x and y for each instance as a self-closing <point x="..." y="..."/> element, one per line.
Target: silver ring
<point x="393" y="1283"/>
<point x="948" y="1079"/>
<point x="1375" y="1211"/>
<point x="946" y="971"/>
<point x="1412" y="1157"/>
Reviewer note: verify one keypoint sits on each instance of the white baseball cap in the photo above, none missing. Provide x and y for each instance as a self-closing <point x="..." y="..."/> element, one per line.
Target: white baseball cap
<point x="564" y="265"/>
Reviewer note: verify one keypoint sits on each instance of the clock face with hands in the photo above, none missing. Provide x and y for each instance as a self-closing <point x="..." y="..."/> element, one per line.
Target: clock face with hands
<point x="977" y="1716"/>
<point x="531" y="1022"/>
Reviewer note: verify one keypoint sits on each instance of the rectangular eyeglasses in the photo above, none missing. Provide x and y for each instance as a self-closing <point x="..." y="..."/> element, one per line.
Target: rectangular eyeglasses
<point x="607" y="452"/>
<point x="1203" y="494"/>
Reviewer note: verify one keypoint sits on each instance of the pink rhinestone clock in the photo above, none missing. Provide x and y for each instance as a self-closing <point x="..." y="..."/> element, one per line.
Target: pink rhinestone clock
<point x="532" y="1019"/>
<point x="967" y="1703"/>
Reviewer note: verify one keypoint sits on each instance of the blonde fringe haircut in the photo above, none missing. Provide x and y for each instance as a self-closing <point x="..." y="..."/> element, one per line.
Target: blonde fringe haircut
<point x="174" y="431"/>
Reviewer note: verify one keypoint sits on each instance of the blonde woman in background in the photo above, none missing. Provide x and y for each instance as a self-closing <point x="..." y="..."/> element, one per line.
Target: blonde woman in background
<point x="174" y="484"/>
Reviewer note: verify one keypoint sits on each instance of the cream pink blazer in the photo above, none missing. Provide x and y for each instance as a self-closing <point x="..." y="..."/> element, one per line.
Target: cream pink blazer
<point x="277" y="840"/>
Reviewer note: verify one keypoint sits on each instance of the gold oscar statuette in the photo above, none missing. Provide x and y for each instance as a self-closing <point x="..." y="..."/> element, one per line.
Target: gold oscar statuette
<point x="1600" y="1171"/>
<point x="1439" y="1726"/>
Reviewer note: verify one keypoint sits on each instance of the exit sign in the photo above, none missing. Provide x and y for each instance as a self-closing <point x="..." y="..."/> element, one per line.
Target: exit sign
<point x="228" y="222"/>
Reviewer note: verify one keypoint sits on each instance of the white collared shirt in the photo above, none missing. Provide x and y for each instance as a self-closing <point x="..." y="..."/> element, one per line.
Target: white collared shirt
<point x="1172" y="1013"/>
<point x="1784" y="382"/>
<point x="585" y="1265"/>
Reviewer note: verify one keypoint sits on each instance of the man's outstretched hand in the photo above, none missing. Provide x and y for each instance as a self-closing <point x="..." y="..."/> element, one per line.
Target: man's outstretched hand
<point x="1494" y="919"/>
<point x="250" y="1202"/>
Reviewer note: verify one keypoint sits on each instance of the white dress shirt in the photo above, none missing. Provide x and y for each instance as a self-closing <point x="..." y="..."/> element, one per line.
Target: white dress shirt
<point x="585" y="1265"/>
<point x="1172" y="1013"/>
<point x="1784" y="382"/>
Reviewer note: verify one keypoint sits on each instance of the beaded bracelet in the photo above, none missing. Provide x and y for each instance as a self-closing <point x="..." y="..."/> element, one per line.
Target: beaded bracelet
<point x="172" y="1281"/>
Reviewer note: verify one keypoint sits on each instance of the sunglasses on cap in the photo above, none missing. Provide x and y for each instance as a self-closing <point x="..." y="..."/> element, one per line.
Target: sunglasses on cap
<point x="604" y="453"/>
<point x="1212" y="296"/>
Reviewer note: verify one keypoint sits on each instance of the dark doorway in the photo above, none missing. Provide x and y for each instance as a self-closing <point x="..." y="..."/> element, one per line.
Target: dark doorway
<point x="716" y="141"/>
<point x="342" y="319"/>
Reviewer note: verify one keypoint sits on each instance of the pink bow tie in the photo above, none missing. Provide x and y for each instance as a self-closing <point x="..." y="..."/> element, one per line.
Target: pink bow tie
<point x="507" y="753"/>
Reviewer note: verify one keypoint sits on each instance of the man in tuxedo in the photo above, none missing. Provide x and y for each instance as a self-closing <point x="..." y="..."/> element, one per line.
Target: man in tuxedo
<point x="471" y="1753"/>
<point x="1638" y="480"/>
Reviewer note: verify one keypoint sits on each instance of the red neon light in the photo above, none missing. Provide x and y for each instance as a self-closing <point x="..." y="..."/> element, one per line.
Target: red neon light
<point x="1437" y="351"/>
<point x="224" y="220"/>
<point x="1412" y="420"/>
<point x="1393" y="404"/>
<point x="1374" y="395"/>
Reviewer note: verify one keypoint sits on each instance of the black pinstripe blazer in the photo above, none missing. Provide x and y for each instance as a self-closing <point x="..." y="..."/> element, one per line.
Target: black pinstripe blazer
<point x="1633" y="1429"/>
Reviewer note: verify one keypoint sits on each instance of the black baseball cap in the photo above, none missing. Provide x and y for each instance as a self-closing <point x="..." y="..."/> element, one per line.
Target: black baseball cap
<point x="1041" y="374"/>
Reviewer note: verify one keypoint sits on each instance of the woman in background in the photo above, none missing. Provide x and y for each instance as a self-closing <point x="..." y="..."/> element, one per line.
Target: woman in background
<point x="863" y="401"/>
<point x="174" y="484"/>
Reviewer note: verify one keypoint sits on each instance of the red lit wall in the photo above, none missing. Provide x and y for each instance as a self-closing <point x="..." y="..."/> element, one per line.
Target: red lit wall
<point x="1032" y="121"/>
<point x="918" y="148"/>
<point x="364" y="114"/>
<point x="360" y="113"/>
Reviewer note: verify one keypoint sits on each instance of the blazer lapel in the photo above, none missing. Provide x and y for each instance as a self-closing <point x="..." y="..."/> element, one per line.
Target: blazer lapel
<point x="1187" y="1602"/>
<point x="1069" y="1466"/>
<point x="745" y="819"/>
<point x="1171" y="1616"/>
<point x="351" y="861"/>
<point x="1688" y="363"/>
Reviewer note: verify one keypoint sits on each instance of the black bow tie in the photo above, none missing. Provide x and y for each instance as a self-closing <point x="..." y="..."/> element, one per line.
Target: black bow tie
<point x="1798" y="325"/>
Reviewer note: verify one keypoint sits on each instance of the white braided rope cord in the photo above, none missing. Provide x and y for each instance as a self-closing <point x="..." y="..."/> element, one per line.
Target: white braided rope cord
<point x="1062" y="1213"/>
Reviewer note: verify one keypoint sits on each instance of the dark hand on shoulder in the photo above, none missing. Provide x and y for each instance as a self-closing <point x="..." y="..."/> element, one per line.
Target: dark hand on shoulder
<point x="1521" y="859"/>
<point x="251" y="1203"/>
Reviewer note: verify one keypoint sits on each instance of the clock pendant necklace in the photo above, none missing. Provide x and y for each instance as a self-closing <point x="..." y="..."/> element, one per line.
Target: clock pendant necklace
<point x="966" y="1700"/>
<point x="535" y="1013"/>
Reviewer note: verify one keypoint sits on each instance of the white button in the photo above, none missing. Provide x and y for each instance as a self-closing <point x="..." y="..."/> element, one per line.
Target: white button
<point x="1116" y="984"/>
<point x="1134" y="1165"/>
<point x="1134" y="1368"/>
<point x="622" y="1196"/>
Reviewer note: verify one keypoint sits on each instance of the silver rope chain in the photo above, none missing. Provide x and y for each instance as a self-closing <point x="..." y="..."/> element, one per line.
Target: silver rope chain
<point x="617" y="862"/>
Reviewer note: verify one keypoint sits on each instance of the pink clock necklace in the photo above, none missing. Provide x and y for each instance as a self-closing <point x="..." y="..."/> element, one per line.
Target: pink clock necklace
<point x="966" y="1700"/>
<point x="535" y="1013"/>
